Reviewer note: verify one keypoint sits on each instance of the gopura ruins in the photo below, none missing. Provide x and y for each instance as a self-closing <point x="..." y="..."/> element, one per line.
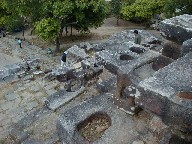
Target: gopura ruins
<point x="113" y="92"/>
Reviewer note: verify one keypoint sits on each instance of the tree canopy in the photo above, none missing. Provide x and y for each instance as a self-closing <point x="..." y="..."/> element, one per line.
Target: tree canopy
<point x="177" y="7"/>
<point x="49" y="17"/>
<point x="142" y="10"/>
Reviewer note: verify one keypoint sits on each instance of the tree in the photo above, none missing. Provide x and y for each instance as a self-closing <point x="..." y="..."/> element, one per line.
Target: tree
<point x="49" y="17"/>
<point x="116" y="9"/>
<point x="142" y="10"/>
<point x="177" y="7"/>
<point x="18" y="13"/>
<point x="83" y="14"/>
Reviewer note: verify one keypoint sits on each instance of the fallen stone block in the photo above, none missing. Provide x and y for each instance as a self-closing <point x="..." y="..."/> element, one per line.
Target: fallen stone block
<point x="168" y="94"/>
<point x="63" y="73"/>
<point x="76" y="54"/>
<point x="61" y="97"/>
<point x="177" y="29"/>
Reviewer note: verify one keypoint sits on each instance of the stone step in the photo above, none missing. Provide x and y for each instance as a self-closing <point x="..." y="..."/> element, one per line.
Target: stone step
<point x="60" y="98"/>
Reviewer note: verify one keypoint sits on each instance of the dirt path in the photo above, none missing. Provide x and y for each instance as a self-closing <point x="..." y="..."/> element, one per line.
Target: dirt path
<point x="96" y="35"/>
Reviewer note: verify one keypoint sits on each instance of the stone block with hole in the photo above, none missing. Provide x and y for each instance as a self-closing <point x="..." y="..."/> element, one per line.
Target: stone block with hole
<point x="177" y="29"/>
<point x="119" y="55"/>
<point x="168" y="94"/>
<point x="94" y="121"/>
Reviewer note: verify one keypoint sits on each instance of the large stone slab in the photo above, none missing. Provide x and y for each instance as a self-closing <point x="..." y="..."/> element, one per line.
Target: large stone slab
<point x="116" y="133"/>
<point x="128" y="35"/>
<point x="168" y="94"/>
<point x="177" y="29"/>
<point x="119" y="55"/>
<point x="147" y="39"/>
<point x="61" y="97"/>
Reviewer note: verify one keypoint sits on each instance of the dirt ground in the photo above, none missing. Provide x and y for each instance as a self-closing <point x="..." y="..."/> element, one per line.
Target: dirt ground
<point x="108" y="28"/>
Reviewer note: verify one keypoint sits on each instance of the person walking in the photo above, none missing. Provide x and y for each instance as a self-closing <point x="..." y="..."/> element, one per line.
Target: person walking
<point x="19" y="42"/>
<point x="137" y="37"/>
<point x="64" y="58"/>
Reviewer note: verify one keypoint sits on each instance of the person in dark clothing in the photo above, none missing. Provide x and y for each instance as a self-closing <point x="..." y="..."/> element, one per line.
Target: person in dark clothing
<point x="63" y="58"/>
<point x="137" y="37"/>
<point x="19" y="42"/>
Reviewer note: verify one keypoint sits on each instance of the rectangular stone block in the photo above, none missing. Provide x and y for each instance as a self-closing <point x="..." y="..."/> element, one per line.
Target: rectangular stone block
<point x="168" y="94"/>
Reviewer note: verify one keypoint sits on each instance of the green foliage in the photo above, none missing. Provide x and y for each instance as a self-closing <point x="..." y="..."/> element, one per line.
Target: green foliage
<point x="116" y="7"/>
<point x="142" y="10"/>
<point x="50" y="16"/>
<point x="8" y="19"/>
<point x="62" y="9"/>
<point x="178" y="7"/>
<point x="48" y="29"/>
<point x="90" y="14"/>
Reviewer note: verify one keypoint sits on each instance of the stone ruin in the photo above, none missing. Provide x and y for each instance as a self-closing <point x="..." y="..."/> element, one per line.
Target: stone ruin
<point x="139" y="79"/>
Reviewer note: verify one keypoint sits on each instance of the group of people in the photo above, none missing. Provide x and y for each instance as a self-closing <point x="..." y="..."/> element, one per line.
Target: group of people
<point x="137" y="41"/>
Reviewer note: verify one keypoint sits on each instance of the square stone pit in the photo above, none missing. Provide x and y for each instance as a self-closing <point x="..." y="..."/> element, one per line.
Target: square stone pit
<point x="119" y="55"/>
<point x="130" y="75"/>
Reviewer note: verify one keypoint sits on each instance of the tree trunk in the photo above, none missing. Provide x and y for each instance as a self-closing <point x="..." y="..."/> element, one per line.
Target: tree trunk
<point x="117" y="21"/>
<point x="71" y="30"/>
<point x="57" y="49"/>
<point x="23" y="33"/>
<point x="66" y="30"/>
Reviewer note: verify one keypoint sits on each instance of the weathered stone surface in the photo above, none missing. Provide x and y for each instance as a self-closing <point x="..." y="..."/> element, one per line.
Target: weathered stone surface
<point x="62" y="73"/>
<point x="107" y="85"/>
<point x="18" y="136"/>
<point x="186" y="47"/>
<point x="76" y="54"/>
<point x="168" y="94"/>
<point x="128" y="35"/>
<point x="131" y="74"/>
<point x="87" y="63"/>
<point x="58" y="99"/>
<point x="32" y="141"/>
<point x="116" y="133"/>
<point x="171" y="50"/>
<point x="86" y="46"/>
<point x="119" y="55"/>
<point x="139" y="69"/>
<point x="170" y="138"/>
<point x="33" y="63"/>
<point x="11" y="69"/>
<point x="148" y="40"/>
<point x="177" y="29"/>
<point x="73" y="85"/>
<point x="138" y="142"/>
<point x="11" y="96"/>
